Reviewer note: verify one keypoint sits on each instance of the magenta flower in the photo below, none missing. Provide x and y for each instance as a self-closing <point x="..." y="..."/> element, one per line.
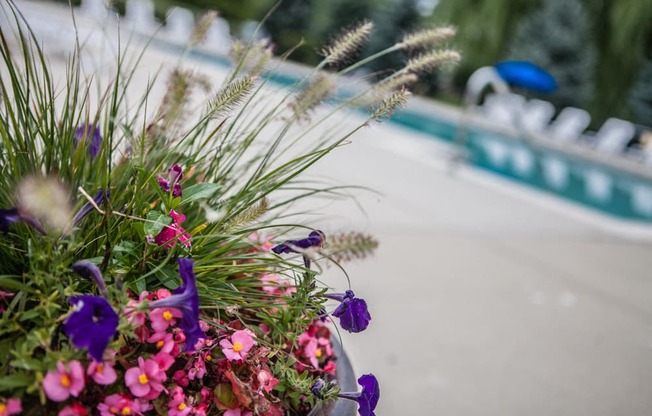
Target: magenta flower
<point x="186" y="299"/>
<point x="175" y="174"/>
<point x="89" y="132"/>
<point x="102" y="373"/>
<point x="237" y="412"/>
<point x="368" y="398"/>
<point x="65" y="381"/>
<point x="11" y="407"/>
<point x="146" y="380"/>
<point x="120" y="404"/>
<point x="353" y="313"/>
<point x="90" y="271"/>
<point x="171" y="233"/>
<point x="91" y="325"/>
<point x="240" y="344"/>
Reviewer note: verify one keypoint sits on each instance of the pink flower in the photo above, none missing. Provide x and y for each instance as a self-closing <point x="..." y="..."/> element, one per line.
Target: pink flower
<point x="267" y="380"/>
<point x="177" y="405"/>
<point x="74" y="409"/>
<point x="64" y="382"/>
<point x="237" y="412"/>
<point x="10" y="407"/>
<point x="240" y="344"/>
<point x="164" y="341"/>
<point x="198" y="369"/>
<point x="102" y="373"/>
<point x="171" y="233"/>
<point x="181" y="378"/>
<point x="146" y="380"/>
<point x="162" y="318"/>
<point x="164" y="360"/>
<point x="119" y="404"/>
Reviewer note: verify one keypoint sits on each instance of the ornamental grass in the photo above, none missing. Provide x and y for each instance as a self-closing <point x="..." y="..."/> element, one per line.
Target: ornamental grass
<point x="153" y="256"/>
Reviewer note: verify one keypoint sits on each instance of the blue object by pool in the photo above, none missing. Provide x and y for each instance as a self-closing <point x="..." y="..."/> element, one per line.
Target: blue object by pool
<point x="526" y="75"/>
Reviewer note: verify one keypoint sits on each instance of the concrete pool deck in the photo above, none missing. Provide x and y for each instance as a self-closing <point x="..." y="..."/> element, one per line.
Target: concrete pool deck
<point x="487" y="298"/>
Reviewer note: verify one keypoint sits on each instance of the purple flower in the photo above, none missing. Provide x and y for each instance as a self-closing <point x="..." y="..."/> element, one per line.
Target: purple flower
<point x="92" y="132"/>
<point x="186" y="299"/>
<point x="314" y="239"/>
<point x="317" y="387"/>
<point x="175" y="174"/>
<point x="88" y="207"/>
<point x="91" y="325"/>
<point x="368" y="398"/>
<point x="13" y="215"/>
<point x="353" y="313"/>
<point x="88" y="270"/>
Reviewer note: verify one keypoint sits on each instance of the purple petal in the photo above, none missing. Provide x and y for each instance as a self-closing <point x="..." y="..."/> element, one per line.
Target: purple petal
<point x="368" y="398"/>
<point x="13" y="215"/>
<point x="314" y="239"/>
<point x="88" y="207"/>
<point x="353" y="313"/>
<point x="186" y="299"/>
<point x="88" y="270"/>
<point x="91" y="325"/>
<point x="91" y="132"/>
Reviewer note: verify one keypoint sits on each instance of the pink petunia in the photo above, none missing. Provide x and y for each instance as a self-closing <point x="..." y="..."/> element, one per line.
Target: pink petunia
<point x="10" y="407"/>
<point x="102" y="373"/>
<point x="119" y="404"/>
<point x="240" y="344"/>
<point x="64" y="382"/>
<point x="146" y="380"/>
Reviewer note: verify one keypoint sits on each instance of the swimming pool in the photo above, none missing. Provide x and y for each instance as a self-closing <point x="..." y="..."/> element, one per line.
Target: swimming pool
<point x="620" y="193"/>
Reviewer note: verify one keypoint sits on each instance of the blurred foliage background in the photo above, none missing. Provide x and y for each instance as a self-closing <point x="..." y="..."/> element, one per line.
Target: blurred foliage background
<point x="600" y="50"/>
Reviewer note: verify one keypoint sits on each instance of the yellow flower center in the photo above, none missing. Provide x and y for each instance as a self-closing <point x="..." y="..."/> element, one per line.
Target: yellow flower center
<point x="99" y="369"/>
<point x="126" y="411"/>
<point x="318" y="352"/>
<point x="237" y="347"/>
<point x="142" y="379"/>
<point x="181" y="406"/>
<point x="167" y="315"/>
<point x="160" y="344"/>
<point x="3" y="408"/>
<point x="65" y="380"/>
<point x="208" y="358"/>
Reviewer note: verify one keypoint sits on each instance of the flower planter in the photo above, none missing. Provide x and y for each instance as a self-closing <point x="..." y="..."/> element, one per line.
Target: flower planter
<point x="345" y="377"/>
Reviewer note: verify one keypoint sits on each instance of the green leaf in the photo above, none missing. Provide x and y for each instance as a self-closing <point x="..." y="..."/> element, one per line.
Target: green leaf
<point x="14" y="381"/>
<point x="168" y="277"/>
<point x="198" y="192"/>
<point x="156" y="222"/>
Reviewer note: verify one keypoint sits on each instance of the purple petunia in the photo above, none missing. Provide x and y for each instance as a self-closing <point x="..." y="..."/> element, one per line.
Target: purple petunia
<point x="89" y="132"/>
<point x="314" y="240"/>
<point x="186" y="299"/>
<point x="368" y="398"/>
<point x="88" y="207"/>
<point x="175" y="174"/>
<point x="91" y="325"/>
<point x="353" y="313"/>
<point x="88" y="270"/>
<point x="13" y="215"/>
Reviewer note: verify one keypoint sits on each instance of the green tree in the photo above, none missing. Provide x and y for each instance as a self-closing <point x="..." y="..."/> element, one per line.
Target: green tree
<point x="640" y="96"/>
<point x="558" y="38"/>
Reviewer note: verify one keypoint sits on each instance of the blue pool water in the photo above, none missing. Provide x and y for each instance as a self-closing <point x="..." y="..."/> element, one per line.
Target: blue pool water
<point x="591" y="184"/>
